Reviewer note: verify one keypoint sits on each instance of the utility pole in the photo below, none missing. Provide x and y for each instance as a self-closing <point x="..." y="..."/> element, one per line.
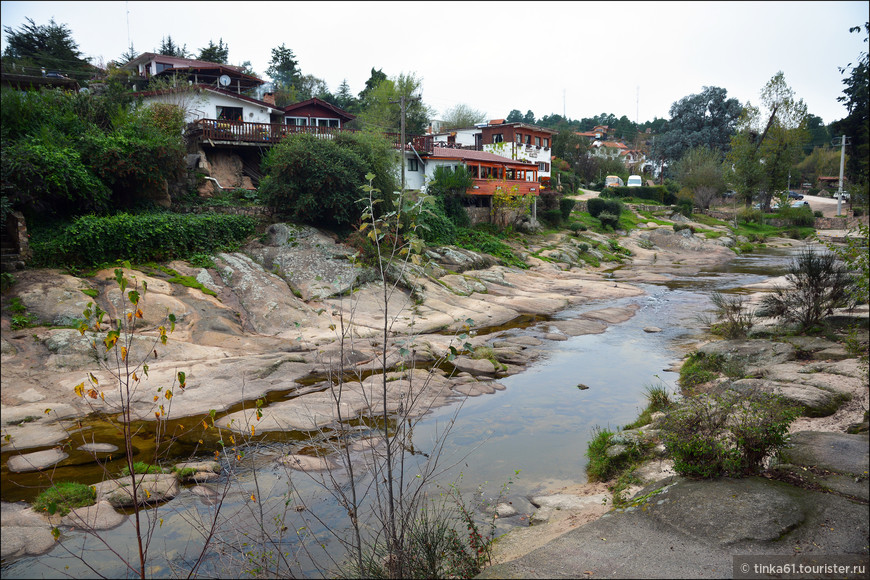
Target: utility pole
<point x="403" y="101"/>
<point x="840" y="187"/>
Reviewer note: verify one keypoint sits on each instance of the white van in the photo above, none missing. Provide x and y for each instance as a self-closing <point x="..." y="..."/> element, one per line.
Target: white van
<point x="634" y="181"/>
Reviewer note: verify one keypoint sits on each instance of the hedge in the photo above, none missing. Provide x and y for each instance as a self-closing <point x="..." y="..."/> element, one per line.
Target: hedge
<point x="94" y="240"/>
<point x="657" y="193"/>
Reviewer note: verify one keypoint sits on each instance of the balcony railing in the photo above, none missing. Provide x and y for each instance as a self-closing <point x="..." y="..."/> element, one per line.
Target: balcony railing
<point x="513" y="186"/>
<point x="271" y="133"/>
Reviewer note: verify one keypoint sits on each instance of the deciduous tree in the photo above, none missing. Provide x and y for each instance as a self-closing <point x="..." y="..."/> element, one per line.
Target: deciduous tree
<point x="461" y="116"/>
<point x="856" y="97"/>
<point x="700" y="170"/>
<point x="768" y="142"/>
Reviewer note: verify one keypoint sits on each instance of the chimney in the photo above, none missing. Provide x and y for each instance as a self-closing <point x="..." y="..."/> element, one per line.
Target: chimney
<point x="269" y="98"/>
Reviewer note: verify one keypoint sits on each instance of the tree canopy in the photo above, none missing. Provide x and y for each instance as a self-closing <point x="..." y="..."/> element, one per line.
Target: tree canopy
<point x="169" y="48"/>
<point x="219" y="53"/>
<point x="461" y="116"/>
<point x="49" y="46"/>
<point x="284" y="68"/>
<point x="768" y="142"/>
<point x="700" y="171"/>
<point x="856" y="98"/>
<point x="706" y="119"/>
<point x="381" y="112"/>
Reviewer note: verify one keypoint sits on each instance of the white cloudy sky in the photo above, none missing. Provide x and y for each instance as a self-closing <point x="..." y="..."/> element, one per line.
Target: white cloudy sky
<point x="580" y="58"/>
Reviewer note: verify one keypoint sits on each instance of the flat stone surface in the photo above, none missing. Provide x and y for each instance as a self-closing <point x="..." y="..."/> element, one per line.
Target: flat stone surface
<point x="838" y="452"/>
<point x="153" y="488"/>
<point x="36" y="460"/>
<point x="694" y="528"/>
<point x="100" y="516"/>
<point x="25" y="533"/>
<point x="308" y="463"/>
<point x="98" y="448"/>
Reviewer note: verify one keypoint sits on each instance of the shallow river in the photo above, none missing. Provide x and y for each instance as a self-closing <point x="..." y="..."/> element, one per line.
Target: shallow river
<point x="539" y="425"/>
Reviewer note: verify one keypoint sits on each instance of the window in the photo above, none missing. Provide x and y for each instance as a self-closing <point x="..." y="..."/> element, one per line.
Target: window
<point x="519" y="139"/>
<point x="497" y="137"/>
<point x="537" y="141"/>
<point x="543" y="166"/>
<point x="327" y="122"/>
<point x="546" y="142"/>
<point x="413" y="165"/>
<point x="161" y="66"/>
<point x="528" y="139"/>
<point x="229" y="113"/>
<point x="297" y="121"/>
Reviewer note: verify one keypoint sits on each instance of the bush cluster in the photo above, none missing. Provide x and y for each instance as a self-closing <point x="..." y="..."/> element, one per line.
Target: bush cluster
<point x="712" y="436"/>
<point x="94" y="240"/>
<point x="68" y="153"/>
<point x="596" y="205"/>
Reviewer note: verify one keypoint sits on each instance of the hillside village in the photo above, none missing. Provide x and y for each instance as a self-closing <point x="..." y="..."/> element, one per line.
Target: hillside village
<point x="330" y="271"/>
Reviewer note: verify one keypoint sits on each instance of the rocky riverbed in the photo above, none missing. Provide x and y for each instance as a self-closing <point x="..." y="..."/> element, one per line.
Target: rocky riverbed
<point x="289" y="308"/>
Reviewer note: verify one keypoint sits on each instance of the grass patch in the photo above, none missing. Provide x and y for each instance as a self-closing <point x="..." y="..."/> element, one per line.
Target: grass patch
<point x="479" y="240"/>
<point x="90" y="292"/>
<point x="142" y="467"/>
<point x="176" y="278"/>
<point x="65" y="496"/>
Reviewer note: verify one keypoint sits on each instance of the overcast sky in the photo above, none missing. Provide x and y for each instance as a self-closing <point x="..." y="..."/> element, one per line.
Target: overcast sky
<point x="575" y="58"/>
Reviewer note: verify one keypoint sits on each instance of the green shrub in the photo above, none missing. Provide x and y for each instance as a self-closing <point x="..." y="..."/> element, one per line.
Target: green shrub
<point x="798" y="216"/>
<point x="678" y="227"/>
<point x="577" y="227"/>
<point x="685" y="207"/>
<point x="566" y="206"/>
<point x="656" y="193"/>
<point x="818" y="214"/>
<point x="551" y="216"/>
<point x="857" y="212"/>
<point x="92" y="240"/>
<point x="63" y="497"/>
<point x="700" y="368"/>
<point x="711" y="436"/>
<point x="814" y="191"/>
<point x="601" y="466"/>
<point x="750" y="215"/>
<point x="735" y="318"/>
<point x="608" y="219"/>
<point x="435" y="226"/>
<point x="817" y="283"/>
<point x="596" y="205"/>
<point x="313" y="181"/>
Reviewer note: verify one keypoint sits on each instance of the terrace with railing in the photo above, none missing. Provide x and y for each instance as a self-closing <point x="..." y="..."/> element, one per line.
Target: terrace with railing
<point x="219" y="132"/>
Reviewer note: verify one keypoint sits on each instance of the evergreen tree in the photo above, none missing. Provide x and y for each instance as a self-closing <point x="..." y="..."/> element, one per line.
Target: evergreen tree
<point x="283" y="68"/>
<point x="855" y="125"/>
<point x="219" y="53"/>
<point x="169" y="48"/>
<point x="50" y="47"/>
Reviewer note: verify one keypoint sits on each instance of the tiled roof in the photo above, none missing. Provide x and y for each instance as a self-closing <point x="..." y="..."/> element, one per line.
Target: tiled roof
<point x="470" y="155"/>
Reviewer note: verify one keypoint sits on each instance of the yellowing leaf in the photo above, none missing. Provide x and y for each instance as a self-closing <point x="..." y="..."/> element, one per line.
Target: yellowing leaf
<point x="252" y="430"/>
<point x="139" y="313"/>
<point x="123" y="353"/>
<point x="168" y="395"/>
<point x="47" y="411"/>
<point x="80" y="389"/>
<point x="155" y="398"/>
<point x="147" y="494"/>
<point x="253" y="498"/>
<point x="93" y="379"/>
<point x="232" y="440"/>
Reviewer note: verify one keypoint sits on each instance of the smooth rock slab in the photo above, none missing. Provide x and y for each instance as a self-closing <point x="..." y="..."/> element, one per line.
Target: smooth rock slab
<point x="25" y="533"/>
<point x="838" y="452"/>
<point x="153" y="488"/>
<point x="100" y="516"/>
<point x="36" y="460"/>
<point x="473" y="366"/>
<point x="98" y="448"/>
<point x="308" y="463"/>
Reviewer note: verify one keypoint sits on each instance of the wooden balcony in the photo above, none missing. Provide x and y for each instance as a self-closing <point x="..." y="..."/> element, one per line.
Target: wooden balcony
<point x="490" y="186"/>
<point x="242" y="133"/>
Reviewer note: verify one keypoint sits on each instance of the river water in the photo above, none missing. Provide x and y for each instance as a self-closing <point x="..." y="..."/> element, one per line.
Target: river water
<point x="533" y="434"/>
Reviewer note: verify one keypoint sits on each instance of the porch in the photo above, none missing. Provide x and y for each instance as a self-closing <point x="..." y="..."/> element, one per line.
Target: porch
<point x="221" y="132"/>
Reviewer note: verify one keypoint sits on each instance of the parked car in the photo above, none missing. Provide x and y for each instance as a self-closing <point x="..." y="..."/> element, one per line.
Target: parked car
<point x="800" y="203"/>
<point x="613" y="181"/>
<point x="794" y="195"/>
<point x="634" y="181"/>
<point x="844" y="196"/>
<point x="729" y="194"/>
